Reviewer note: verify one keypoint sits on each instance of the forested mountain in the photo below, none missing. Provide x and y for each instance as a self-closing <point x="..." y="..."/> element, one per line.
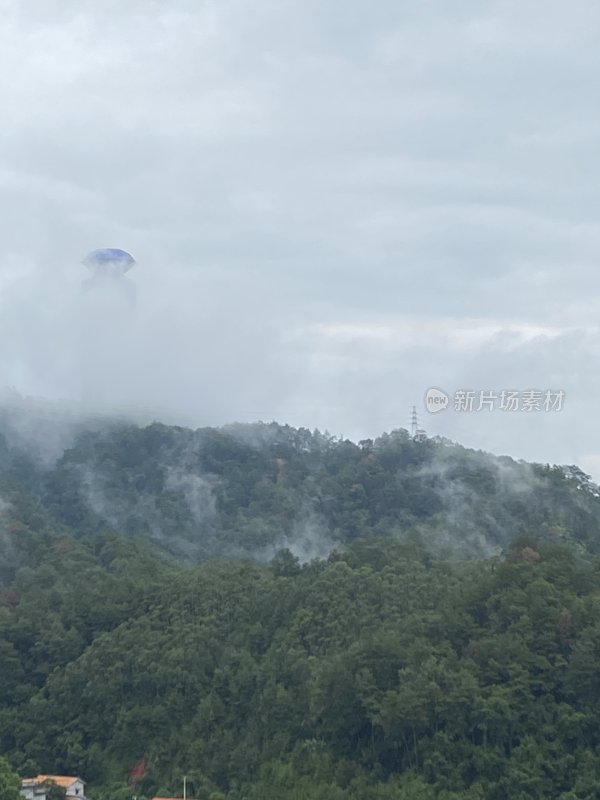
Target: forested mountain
<point x="281" y="615"/>
<point x="251" y="490"/>
<point x="379" y="673"/>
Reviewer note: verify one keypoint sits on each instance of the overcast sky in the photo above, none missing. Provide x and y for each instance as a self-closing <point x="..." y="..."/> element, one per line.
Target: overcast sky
<point x="333" y="206"/>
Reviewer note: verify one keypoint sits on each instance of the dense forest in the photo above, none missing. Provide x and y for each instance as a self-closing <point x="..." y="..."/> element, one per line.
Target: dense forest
<point x="276" y="614"/>
<point x="251" y="490"/>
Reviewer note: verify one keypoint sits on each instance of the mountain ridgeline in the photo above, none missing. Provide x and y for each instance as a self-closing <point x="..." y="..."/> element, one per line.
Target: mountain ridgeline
<point x="251" y="490"/>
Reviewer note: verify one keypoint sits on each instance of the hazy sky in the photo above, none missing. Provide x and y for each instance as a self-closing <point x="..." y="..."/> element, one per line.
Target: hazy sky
<point x="333" y="206"/>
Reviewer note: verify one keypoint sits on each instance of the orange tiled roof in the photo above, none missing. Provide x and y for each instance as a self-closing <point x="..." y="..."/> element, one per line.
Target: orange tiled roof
<point x="64" y="781"/>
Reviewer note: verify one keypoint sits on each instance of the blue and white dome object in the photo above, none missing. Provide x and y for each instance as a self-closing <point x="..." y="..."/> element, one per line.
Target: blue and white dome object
<point x="109" y="262"/>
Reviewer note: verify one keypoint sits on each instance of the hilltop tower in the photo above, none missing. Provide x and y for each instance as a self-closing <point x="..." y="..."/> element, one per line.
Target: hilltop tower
<point x="416" y="433"/>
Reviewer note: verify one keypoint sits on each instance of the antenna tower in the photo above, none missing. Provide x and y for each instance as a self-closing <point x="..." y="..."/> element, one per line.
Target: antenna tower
<point x="416" y="432"/>
<point x="414" y="423"/>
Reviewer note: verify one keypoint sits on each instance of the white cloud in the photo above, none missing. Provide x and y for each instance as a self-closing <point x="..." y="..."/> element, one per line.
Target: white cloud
<point x="330" y="212"/>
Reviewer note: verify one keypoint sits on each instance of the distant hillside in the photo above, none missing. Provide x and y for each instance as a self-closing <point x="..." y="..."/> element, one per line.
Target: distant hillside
<point x="251" y="490"/>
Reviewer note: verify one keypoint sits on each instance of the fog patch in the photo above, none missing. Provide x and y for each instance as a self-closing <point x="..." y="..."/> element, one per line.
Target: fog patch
<point x="44" y="429"/>
<point x="309" y="539"/>
<point x="197" y="490"/>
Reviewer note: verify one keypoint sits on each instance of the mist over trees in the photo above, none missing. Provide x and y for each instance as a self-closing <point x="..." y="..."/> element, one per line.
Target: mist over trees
<point x="251" y="490"/>
<point x="276" y="613"/>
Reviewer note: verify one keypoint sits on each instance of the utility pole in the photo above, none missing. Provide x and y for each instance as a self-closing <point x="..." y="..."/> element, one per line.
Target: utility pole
<point x="185" y="787"/>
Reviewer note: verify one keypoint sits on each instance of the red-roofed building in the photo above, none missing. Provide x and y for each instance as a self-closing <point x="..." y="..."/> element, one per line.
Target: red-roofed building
<point x="37" y="788"/>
